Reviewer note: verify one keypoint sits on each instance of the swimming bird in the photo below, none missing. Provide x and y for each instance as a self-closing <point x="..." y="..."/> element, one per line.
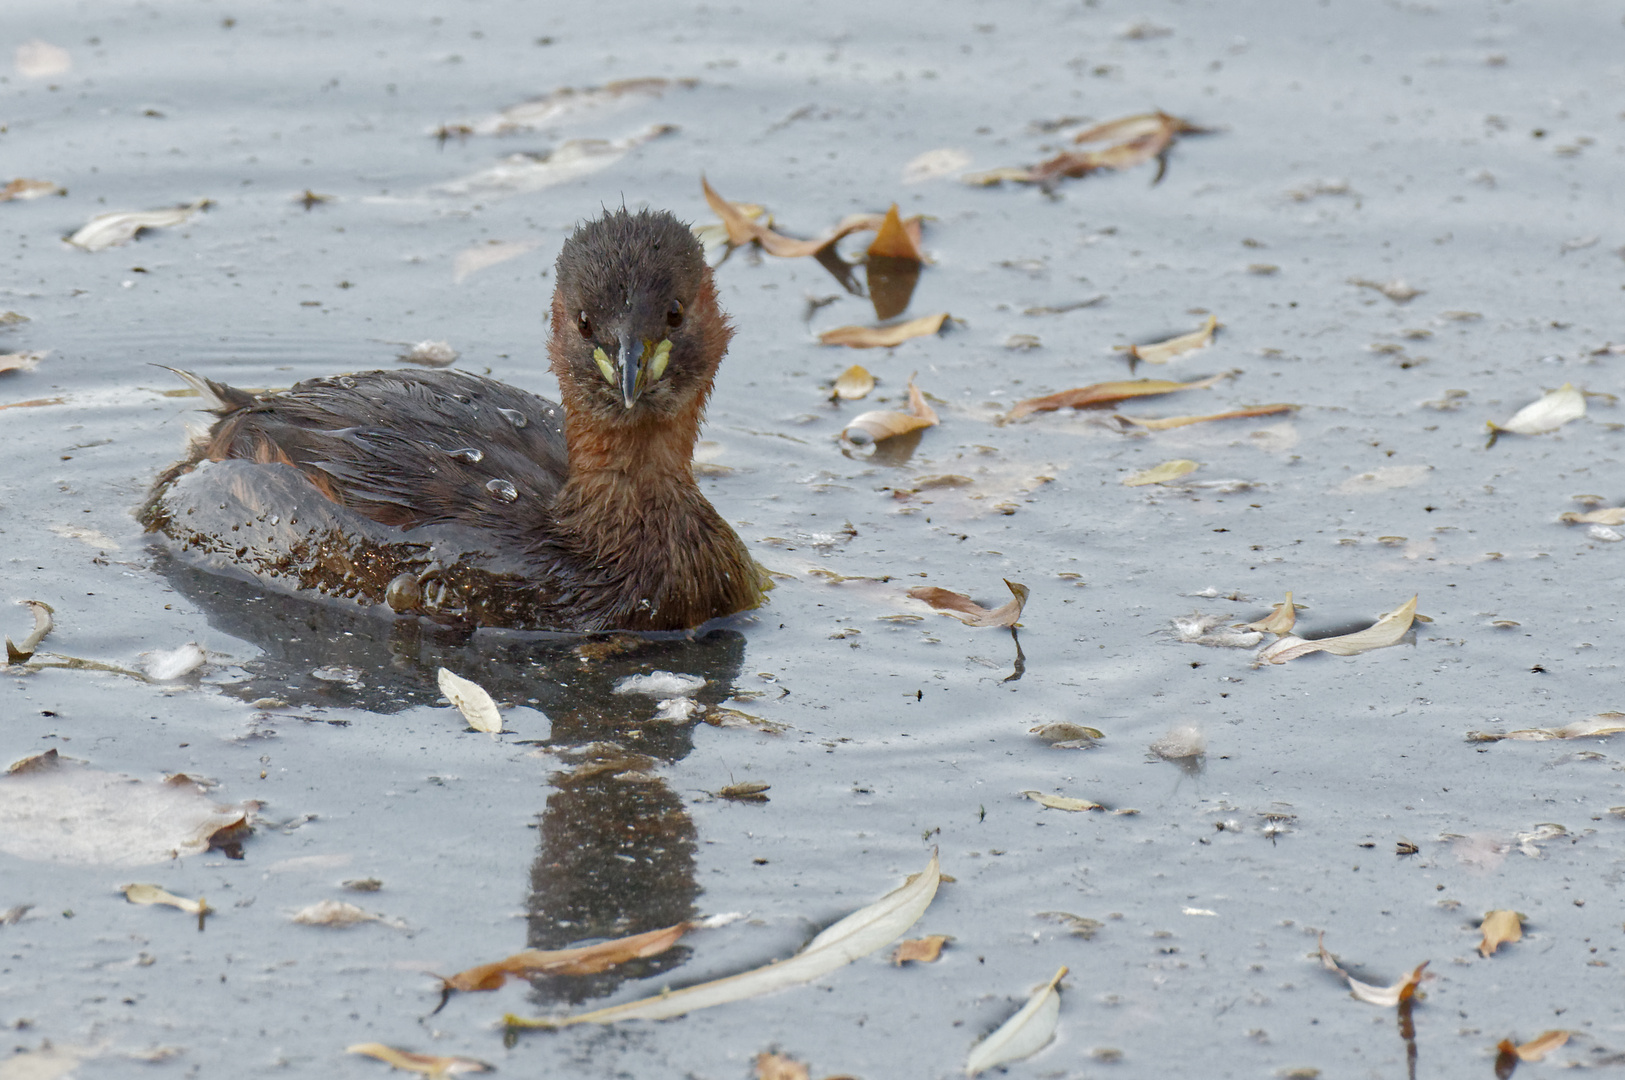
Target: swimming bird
<point x="472" y="502"/>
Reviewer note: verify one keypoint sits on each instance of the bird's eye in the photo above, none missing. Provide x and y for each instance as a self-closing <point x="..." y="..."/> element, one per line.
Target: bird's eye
<point x="584" y="324"/>
<point x="674" y="314"/>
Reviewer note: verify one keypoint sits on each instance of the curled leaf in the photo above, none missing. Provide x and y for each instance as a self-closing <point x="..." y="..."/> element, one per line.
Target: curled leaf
<point x="854" y="383"/>
<point x="564" y="104"/>
<point x="1105" y="394"/>
<point x="742" y="228"/>
<point x="42" y="612"/>
<point x="21" y="361"/>
<point x="1499" y="928"/>
<point x="1024" y="1034"/>
<point x="472" y="701"/>
<point x="1600" y="725"/>
<point x="581" y="960"/>
<point x="1061" y="802"/>
<point x="864" y="931"/>
<point x="894" y="241"/>
<point x="968" y="611"/>
<point x="1386" y="631"/>
<point x="883" y="337"/>
<point x="1279" y="621"/>
<point x="1537" y="1048"/>
<point x="1548" y="413"/>
<point x="1167" y="472"/>
<point x="111" y="230"/>
<point x="1404" y="990"/>
<point x="153" y="894"/>
<point x="1164" y="351"/>
<point x="1166" y="422"/>
<point x="747" y="791"/>
<point x="1139" y="138"/>
<point x="872" y="427"/>
<point x="434" y="1065"/>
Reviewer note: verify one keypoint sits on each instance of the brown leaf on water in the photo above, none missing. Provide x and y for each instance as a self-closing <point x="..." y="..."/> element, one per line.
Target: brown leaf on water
<point x="1598" y="726"/>
<point x="152" y="894"/>
<point x="1397" y="291"/>
<point x="582" y="960"/>
<point x="924" y="950"/>
<point x="1134" y="141"/>
<point x="871" y="427"/>
<point x="854" y="383"/>
<point x="894" y="241"/>
<point x="1537" y="1048"/>
<point x="883" y="337"/>
<point x="565" y="103"/>
<point x="1167" y="422"/>
<point x="745" y="791"/>
<point x="34" y="403"/>
<point x="968" y="611"/>
<point x="1062" y="802"/>
<point x="1404" y="990"/>
<point x="779" y="1067"/>
<point x="43" y="624"/>
<point x="1387" y="630"/>
<point x="21" y="188"/>
<point x="1163" y="351"/>
<point x="1105" y="394"/>
<point x="434" y="1065"/>
<point x="1499" y="928"/>
<point x="742" y="228"/>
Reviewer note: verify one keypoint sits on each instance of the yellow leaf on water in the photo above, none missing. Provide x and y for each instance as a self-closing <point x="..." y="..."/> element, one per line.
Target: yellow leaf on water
<point x="1605" y="515"/>
<point x="1161" y="474"/>
<point x="854" y="383"/>
<point x="1164" y="351"/>
<point x="872" y="427"/>
<point x="1386" y="631"/>
<point x="426" y="1064"/>
<point x="1279" y="621"/>
<point x="1164" y="423"/>
<point x="884" y="337"/>
<point x="968" y="611"/>
<point x="1537" y="1048"/>
<point x="893" y="240"/>
<point x="1499" y="928"/>
<point x="779" y="1067"/>
<point x="1404" y="990"/>
<point x="1061" y="802"/>
<point x="153" y="894"/>
<point x="22" y="188"/>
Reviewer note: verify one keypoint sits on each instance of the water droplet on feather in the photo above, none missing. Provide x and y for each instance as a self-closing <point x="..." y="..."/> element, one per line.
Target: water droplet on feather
<point x="502" y="490"/>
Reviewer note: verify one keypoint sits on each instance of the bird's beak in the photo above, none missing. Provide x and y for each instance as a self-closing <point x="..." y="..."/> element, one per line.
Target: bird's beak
<point x="630" y="359"/>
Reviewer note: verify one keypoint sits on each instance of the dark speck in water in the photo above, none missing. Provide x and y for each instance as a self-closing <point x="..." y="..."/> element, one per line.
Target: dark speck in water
<point x="502" y="490"/>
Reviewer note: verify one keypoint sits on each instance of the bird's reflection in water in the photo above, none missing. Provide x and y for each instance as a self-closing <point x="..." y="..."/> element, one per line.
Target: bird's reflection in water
<point x="616" y="845"/>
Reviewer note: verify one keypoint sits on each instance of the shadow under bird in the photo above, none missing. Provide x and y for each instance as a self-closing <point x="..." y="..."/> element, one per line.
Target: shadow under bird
<point x="475" y="503"/>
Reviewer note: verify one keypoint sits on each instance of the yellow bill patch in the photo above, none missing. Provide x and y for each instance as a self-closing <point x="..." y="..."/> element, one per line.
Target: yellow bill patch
<point x="605" y="368"/>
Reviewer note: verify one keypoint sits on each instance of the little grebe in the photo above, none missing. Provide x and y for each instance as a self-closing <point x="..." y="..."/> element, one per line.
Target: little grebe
<point x="471" y="502"/>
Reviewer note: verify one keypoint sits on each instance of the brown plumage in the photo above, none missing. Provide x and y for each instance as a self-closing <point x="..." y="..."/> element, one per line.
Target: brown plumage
<point x="471" y="501"/>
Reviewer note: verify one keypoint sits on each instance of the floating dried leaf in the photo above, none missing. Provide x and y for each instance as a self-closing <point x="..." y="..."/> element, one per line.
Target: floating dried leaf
<point x="581" y="960"/>
<point x="884" y="337"/>
<point x="1404" y="990"/>
<point x="893" y="241"/>
<point x="864" y="931"/>
<point x="924" y="950"/>
<point x="1077" y="925"/>
<point x="1165" y="473"/>
<point x="743" y="229"/>
<point x="1104" y="394"/>
<point x="1386" y="631"/>
<point x="1397" y="291"/>
<point x="968" y="611"/>
<point x="1604" y="515"/>
<point x="434" y="1065"/>
<point x="21" y="189"/>
<point x="43" y="624"/>
<point x="1499" y="927"/>
<point x="1279" y="621"/>
<point x="1065" y="736"/>
<point x="472" y="701"/>
<point x="1537" y="1048"/>
<point x="21" y="361"/>
<point x="872" y="427"/>
<point x="110" y="230"/>
<point x="854" y="383"/>
<point x="1602" y="724"/>
<point x="565" y="103"/>
<point x="779" y="1067"/>
<point x="1143" y="137"/>
<point x="430" y="354"/>
<point x="1061" y="802"/>
<point x="746" y="791"/>
<point x="520" y="173"/>
<point x="1024" y="1034"/>
<point x="337" y="913"/>
<point x="1549" y="413"/>
<point x="153" y="894"/>
<point x="1168" y="422"/>
<point x="1164" y="351"/>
